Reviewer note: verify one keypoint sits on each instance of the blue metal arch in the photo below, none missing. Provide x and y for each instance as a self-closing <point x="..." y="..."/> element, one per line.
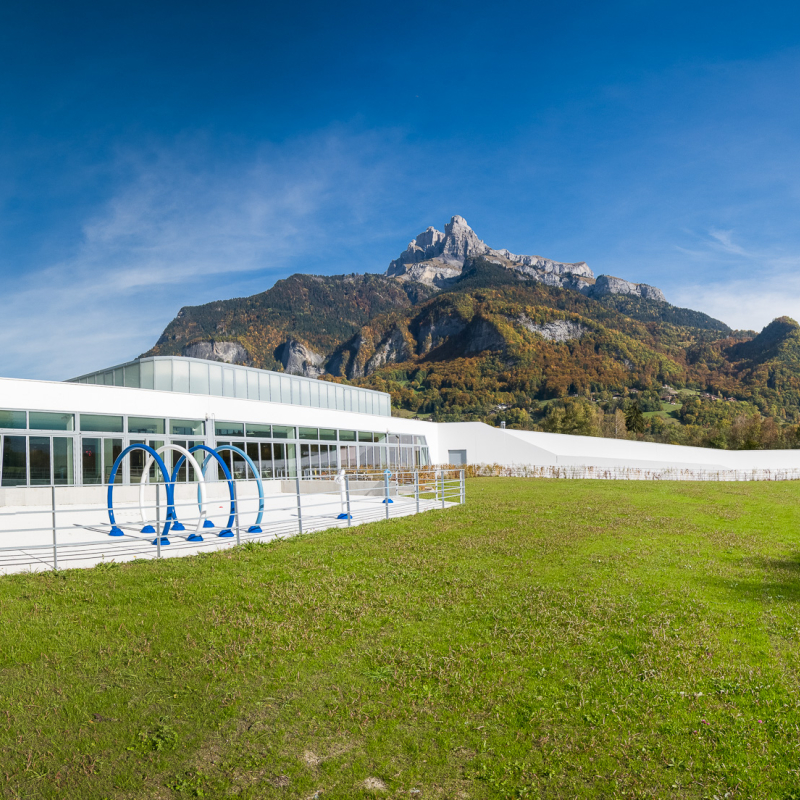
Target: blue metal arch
<point x="212" y="454"/>
<point x="116" y="531"/>
<point x="254" y="470"/>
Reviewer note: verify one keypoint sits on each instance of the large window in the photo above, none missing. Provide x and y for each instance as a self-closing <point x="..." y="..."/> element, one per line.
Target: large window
<point x="49" y="421"/>
<point x="138" y="458"/>
<point x="265" y="452"/>
<point x="14" y="466"/>
<point x="63" y="465"/>
<point x="185" y="472"/>
<point x="13" y="420"/>
<point x="145" y="425"/>
<point x="261" y="431"/>
<point x="97" y="459"/>
<point x="101" y="423"/>
<point x="284" y="460"/>
<point x="32" y="454"/>
<point x="111" y="451"/>
<point x="186" y="427"/>
<point x="91" y="460"/>
<point x="229" y="428"/>
<point x="39" y="455"/>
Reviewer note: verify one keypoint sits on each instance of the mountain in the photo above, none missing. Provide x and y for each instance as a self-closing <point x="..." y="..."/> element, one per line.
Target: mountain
<point x="457" y="329"/>
<point x="309" y="313"/>
<point x="437" y="258"/>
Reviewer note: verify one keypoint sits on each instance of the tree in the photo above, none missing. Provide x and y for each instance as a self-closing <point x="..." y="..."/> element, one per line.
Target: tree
<point x="634" y="420"/>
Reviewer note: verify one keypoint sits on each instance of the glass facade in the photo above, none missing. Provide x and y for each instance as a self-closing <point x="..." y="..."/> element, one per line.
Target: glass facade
<point x="82" y="448"/>
<point x="196" y="376"/>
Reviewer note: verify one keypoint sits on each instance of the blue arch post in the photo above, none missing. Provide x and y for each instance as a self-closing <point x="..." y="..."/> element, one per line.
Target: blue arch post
<point x="257" y="527"/>
<point x="115" y="530"/>
<point x="226" y="532"/>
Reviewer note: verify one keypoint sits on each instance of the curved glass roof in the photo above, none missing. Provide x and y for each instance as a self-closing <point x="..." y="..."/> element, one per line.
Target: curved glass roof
<point x="197" y="376"/>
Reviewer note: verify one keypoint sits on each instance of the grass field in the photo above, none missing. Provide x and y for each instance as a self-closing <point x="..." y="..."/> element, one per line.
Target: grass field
<point x="669" y="412"/>
<point x="551" y="639"/>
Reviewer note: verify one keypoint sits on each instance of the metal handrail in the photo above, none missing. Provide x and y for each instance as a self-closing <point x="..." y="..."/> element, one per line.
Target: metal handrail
<point x="285" y="514"/>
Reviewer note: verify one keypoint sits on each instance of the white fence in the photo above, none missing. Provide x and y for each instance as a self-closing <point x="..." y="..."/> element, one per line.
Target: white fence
<point x="630" y="473"/>
<point x="54" y="535"/>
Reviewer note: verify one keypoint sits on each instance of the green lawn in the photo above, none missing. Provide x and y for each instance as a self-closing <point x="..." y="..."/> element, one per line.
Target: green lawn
<point x="668" y="411"/>
<point x="551" y="639"/>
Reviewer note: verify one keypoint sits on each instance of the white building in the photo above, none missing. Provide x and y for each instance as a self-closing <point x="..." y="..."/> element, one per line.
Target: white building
<point x="69" y="433"/>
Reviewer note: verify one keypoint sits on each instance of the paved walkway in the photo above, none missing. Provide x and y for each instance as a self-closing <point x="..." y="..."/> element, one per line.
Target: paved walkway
<point x="82" y="533"/>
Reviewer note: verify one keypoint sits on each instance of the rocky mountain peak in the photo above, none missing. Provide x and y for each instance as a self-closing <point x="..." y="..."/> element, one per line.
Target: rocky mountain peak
<point x="437" y="258"/>
<point x="460" y="242"/>
<point x="452" y="247"/>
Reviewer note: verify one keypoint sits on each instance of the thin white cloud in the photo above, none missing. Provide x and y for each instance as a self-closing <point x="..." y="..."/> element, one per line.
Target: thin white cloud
<point x="744" y="305"/>
<point x="759" y="285"/>
<point x="724" y="242"/>
<point x="183" y="228"/>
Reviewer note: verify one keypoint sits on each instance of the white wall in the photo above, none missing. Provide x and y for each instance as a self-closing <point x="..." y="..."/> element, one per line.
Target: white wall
<point x="487" y="445"/>
<point x="483" y="443"/>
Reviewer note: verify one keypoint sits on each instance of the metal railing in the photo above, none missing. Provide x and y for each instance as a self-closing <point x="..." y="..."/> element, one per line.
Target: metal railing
<point x="55" y="534"/>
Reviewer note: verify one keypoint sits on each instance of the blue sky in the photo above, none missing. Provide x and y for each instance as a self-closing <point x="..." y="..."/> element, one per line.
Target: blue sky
<point x="155" y="155"/>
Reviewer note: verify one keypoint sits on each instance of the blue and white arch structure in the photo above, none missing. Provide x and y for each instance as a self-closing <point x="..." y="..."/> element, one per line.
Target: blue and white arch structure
<point x="176" y="524"/>
<point x="154" y="456"/>
<point x="254" y="469"/>
<point x="227" y="531"/>
<point x="171" y="520"/>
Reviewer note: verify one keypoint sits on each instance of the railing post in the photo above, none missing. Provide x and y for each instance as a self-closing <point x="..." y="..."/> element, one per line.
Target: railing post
<point x="236" y="508"/>
<point x="158" y="520"/>
<point x="442" y="488"/>
<point x="347" y="493"/>
<point x="55" y="543"/>
<point x="463" y="487"/>
<point x="386" y="492"/>
<point x="416" y="488"/>
<point x="299" y="506"/>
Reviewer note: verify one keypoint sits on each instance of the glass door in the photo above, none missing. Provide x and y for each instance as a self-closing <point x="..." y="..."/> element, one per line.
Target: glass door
<point x="63" y="465"/>
<point x="39" y="460"/>
<point x="91" y="461"/>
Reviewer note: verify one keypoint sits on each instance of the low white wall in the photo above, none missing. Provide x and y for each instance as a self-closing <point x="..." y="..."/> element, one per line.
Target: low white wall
<point x="487" y="445"/>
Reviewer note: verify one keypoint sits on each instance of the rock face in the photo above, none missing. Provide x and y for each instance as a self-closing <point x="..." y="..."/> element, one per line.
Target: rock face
<point x="297" y="359"/>
<point x="227" y="352"/>
<point x="451" y="248"/>
<point x="481" y="335"/>
<point x="392" y="349"/>
<point x="437" y="259"/>
<point x="432" y="273"/>
<point x="431" y="332"/>
<point x="560" y="330"/>
<point x="608" y="284"/>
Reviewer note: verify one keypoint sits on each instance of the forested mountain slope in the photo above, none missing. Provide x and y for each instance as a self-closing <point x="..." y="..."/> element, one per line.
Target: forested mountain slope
<point x="493" y="340"/>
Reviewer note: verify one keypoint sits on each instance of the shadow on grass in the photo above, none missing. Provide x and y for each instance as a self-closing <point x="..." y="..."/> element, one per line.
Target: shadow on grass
<point x="763" y="579"/>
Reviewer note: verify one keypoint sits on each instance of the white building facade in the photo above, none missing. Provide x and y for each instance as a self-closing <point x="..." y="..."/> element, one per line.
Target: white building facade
<point x="69" y="433"/>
